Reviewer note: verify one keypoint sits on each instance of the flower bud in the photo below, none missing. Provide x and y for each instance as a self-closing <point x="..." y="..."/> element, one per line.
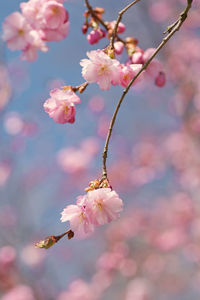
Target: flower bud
<point x="93" y="37"/>
<point x="84" y="29"/>
<point x="160" y="79"/>
<point x="47" y="242"/>
<point x="121" y="28"/>
<point x="132" y="40"/>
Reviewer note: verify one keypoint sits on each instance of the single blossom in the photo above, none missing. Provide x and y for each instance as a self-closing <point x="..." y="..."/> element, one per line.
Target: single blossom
<point x="76" y="215"/>
<point x="100" y="68"/>
<point x="128" y="73"/>
<point x="17" y="32"/>
<point x="102" y="206"/>
<point x="61" y="106"/>
<point x="56" y="35"/>
<point x="52" y="15"/>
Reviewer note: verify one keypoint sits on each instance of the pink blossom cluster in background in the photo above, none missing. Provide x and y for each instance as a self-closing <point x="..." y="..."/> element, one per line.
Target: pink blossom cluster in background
<point x="39" y="21"/>
<point x="76" y="160"/>
<point x="99" y="206"/>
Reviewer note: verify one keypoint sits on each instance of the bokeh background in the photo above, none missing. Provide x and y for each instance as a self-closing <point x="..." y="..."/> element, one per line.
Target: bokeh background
<point x="153" y="251"/>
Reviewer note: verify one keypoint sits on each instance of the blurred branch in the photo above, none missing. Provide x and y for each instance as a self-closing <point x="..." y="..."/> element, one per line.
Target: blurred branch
<point x="171" y="31"/>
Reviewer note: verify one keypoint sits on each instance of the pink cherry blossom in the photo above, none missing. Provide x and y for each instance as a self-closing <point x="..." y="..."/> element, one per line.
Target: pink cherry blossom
<point x="30" y="52"/>
<point x="16" y="32"/>
<point x="78" y="219"/>
<point x="61" y="107"/>
<point x="52" y="15"/>
<point x="56" y="34"/>
<point x="103" y="205"/>
<point x="100" y="68"/>
<point x="41" y="21"/>
<point x="30" y="11"/>
<point x="128" y="72"/>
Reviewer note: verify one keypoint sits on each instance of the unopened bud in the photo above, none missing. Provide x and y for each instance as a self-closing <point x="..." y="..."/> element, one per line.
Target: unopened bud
<point x="84" y="29"/>
<point x="47" y="242"/>
<point x="99" y="10"/>
<point x="86" y="14"/>
<point x="94" y="184"/>
<point x="131" y="40"/>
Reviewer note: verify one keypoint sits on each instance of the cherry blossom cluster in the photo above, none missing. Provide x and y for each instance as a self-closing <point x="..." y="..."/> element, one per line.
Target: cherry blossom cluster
<point x="98" y="207"/>
<point x="40" y="21"/>
<point x="136" y="55"/>
<point x="104" y="70"/>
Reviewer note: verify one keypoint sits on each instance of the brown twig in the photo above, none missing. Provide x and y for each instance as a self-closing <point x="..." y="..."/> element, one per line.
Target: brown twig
<point x="89" y="7"/>
<point x="101" y="21"/>
<point x="49" y="241"/>
<point x="114" y="34"/>
<point x="171" y="31"/>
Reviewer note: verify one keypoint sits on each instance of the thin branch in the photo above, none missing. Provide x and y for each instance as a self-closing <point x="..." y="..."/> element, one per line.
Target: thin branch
<point x="171" y="31"/>
<point x="49" y="241"/>
<point x="112" y="39"/>
<point x="101" y="21"/>
<point x="89" y="7"/>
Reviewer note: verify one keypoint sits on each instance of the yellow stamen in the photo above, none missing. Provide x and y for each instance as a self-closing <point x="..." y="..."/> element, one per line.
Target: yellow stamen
<point x="103" y="70"/>
<point x="66" y="109"/>
<point x="99" y="206"/>
<point x="81" y="218"/>
<point x="55" y="10"/>
<point x="127" y="77"/>
<point x="21" y="32"/>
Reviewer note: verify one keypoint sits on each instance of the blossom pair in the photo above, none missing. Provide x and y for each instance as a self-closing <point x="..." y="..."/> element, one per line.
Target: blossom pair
<point x="99" y="206"/>
<point x="40" y="21"/>
<point x="103" y="70"/>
